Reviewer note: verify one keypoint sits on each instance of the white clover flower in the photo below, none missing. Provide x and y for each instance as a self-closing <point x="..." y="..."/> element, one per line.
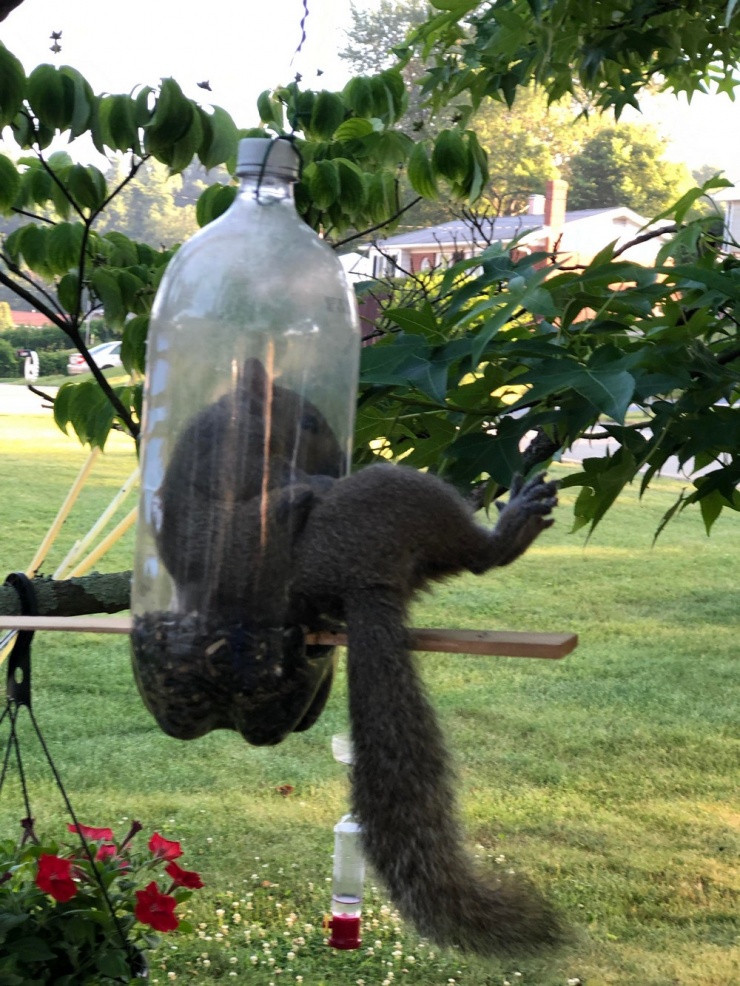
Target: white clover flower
<point x="220" y="913"/>
<point x="234" y="974"/>
<point x="206" y="962"/>
<point x="378" y="944"/>
<point x="253" y="959"/>
<point x="235" y="903"/>
<point x="172" y="975"/>
<point x="236" y="918"/>
<point x="233" y="960"/>
<point x="290" y="956"/>
<point x="271" y="961"/>
<point x="396" y="954"/>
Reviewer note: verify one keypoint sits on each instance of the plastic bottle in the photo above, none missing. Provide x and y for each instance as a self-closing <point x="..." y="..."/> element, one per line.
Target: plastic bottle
<point x="252" y="365"/>
<point x="347" y="885"/>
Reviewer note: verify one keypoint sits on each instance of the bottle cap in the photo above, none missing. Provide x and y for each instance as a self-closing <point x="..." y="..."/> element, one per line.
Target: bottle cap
<point x="345" y="931"/>
<point x="279" y="158"/>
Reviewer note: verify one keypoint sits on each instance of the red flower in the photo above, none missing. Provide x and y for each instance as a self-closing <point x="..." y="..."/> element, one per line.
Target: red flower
<point x="164" y="848"/>
<point x="184" y="878"/>
<point x="156" y="909"/>
<point x="92" y="834"/>
<point x="55" y="877"/>
<point x="106" y="851"/>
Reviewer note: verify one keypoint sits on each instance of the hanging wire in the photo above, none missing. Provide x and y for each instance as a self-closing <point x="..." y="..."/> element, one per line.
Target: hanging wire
<point x="290" y="139"/>
<point x="18" y="696"/>
<point x="303" y="32"/>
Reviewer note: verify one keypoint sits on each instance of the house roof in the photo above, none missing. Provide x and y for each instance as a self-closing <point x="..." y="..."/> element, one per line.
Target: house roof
<point x="504" y="228"/>
<point x="30" y="319"/>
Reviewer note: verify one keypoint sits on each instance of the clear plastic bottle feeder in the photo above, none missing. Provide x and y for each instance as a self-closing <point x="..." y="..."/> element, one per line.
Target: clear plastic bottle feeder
<point x="249" y="404"/>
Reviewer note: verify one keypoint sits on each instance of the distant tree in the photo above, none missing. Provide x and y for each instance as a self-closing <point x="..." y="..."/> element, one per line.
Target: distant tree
<point x="374" y="32"/>
<point x="705" y="172"/>
<point x="6" y="319"/>
<point x="625" y="166"/>
<point x="157" y="208"/>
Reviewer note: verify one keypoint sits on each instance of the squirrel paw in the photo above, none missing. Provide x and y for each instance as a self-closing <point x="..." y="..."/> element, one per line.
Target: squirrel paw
<point x="525" y="515"/>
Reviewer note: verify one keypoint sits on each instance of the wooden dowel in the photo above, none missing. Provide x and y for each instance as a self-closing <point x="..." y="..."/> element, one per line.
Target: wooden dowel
<point x="501" y="643"/>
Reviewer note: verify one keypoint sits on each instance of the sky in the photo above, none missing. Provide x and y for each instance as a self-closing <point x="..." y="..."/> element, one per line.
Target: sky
<point x="244" y="46"/>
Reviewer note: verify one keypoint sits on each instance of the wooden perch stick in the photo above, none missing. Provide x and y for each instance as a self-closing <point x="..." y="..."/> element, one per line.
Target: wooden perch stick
<point x="492" y="642"/>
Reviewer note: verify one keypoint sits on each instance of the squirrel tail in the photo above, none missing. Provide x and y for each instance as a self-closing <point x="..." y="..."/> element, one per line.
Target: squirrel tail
<point x="402" y="794"/>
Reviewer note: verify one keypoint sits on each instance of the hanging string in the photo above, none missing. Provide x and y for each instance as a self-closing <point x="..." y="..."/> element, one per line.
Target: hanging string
<point x="290" y="139"/>
<point x="303" y="31"/>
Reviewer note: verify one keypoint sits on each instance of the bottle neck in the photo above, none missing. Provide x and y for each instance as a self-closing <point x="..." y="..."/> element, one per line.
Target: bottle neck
<point x="266" y="190"/>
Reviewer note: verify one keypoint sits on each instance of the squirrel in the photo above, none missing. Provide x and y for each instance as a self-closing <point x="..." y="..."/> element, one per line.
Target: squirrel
<point x="357" y="550"/>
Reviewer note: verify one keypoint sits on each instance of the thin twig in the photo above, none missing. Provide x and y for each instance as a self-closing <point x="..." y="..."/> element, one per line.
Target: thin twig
<point x="372" y="229"/>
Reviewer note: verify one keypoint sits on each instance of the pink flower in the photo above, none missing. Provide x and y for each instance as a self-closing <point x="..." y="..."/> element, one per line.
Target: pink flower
<point x="164" y="848"/>
<point x="92" y="834"/>
<point x="55" y="877"/>
<point x="156" y="909"/>
<point x="184" y="878"/>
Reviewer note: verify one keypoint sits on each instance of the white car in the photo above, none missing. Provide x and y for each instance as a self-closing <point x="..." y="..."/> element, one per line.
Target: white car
<point x="105" y="355"/>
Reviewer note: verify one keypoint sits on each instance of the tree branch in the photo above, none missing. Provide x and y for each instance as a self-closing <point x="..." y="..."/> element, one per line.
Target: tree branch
<point x="356" y="236"/>
<point x="96" y="593"/>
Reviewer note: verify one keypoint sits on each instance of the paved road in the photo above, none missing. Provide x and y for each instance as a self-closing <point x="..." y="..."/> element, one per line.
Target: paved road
<point x="588" y="449"/>
<point x="19" y="400"/>
<point x="16" y="399"/>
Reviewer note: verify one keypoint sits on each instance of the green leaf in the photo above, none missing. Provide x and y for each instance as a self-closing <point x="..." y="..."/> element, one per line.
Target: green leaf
<point x="12" y="86"/>
<point x="421" y="322"/>
<point x="171" y="120"/>
<point x="420" y="173"/>
<point x="353" y="189"/>
<point x="354" y="129"/>
<point x="608" y="390"/>
<point x="214" y="201"/>
<point x="114" y="965"/>
<point x="87" y="186"/>
<point x="118" y="114"/>
<point x="458" y="7"/>
<point x="83" y="101"/>
<point x="450" y="156"/>
<point x="63" y="246"/>
<point x="10" y="183"/>
<point x="68" y="292"/>
<point x="358" y="94"/>
<point x="222" y="138"/>
<point x="322" y="178"/>
<point x="133" y="347"/>
<point x="107" y="290"/>
<point x="52" y="96"/>
<point x="33" y="242"/>
<point x="327" y="114"/>
<point x="32" y="949"/>
<point x="179" y="155"/>
<point x="63" y="405"/>
<point x="270" y="110"/>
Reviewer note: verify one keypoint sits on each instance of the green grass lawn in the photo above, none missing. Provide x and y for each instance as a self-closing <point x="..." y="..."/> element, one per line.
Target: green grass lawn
<point x="611" y="777"/>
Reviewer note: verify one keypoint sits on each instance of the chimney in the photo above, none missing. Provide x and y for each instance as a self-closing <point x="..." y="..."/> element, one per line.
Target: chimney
<point x="556" y="196"/>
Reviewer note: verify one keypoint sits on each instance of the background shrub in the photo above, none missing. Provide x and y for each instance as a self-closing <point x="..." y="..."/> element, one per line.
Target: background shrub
<point x="9" y="362"/>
